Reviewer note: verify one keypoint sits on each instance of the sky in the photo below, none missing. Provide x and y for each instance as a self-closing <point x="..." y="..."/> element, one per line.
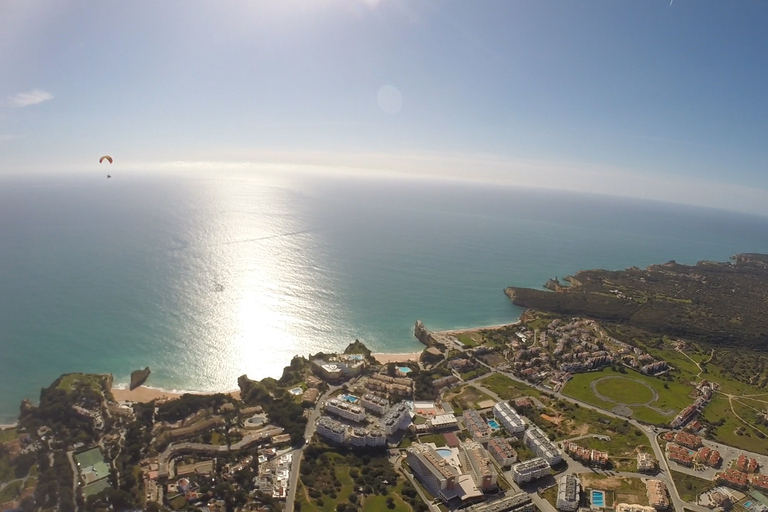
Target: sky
<point x="651" y="99"/>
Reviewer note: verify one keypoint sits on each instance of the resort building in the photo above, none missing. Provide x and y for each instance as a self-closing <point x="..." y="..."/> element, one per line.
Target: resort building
<point x="586" y="456"/>
<point x="732" y="478"/>
<point x="746" y="464"/>
<point x="657" y="494"/>
<point x="310" y="396"/>
<point x="530" y="470"/>
<point x="520" y="502"/>
<point x="688" y="440"/>
<point x="397" y="418"/>
<point x="476" y="461"/>
<point x="443" y="422"/>
<point x="568" y="493"/>
<point x="508" y="417"/>
<point x="439" y="477"/>
<point x="680" y="455"/>
<point x="339" y="367"/>
<point x="477" y="427"/>
<point x="375" y="404"/>
<point x="345" y="409"/>
<point x="537" y="440"/>
<point x="400" y="386"/>
<point x="331" y="429"/>
<point x="500" y="449"/>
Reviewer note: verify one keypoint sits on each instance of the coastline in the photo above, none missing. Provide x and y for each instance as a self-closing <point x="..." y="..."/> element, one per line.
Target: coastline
<point x="481" y="328"/>
<point x="144" y="394"/>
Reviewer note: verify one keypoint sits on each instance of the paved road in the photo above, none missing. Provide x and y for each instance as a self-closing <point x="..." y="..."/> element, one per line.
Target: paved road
<point x="665" y="474"/>
<point x="298" y="453"/>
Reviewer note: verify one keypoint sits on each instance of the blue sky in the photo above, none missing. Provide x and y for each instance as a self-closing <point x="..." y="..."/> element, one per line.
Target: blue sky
<point x="638" y="98"/>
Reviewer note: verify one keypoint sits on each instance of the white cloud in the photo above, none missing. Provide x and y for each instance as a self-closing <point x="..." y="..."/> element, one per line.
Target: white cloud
<point x="33" y="97"/>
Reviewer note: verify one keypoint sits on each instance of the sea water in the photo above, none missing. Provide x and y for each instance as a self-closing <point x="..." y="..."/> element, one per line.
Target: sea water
<point x="207" y="276"/>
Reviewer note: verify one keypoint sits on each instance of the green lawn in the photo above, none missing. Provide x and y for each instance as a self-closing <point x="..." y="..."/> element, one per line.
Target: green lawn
<point x="467" y="339"/>
<point x="623" y="390"/>
<point x="438" y="439"/>
<point x="673" y="396"/>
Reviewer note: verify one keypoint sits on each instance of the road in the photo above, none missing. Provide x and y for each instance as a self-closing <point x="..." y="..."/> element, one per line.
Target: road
<point x="649" y="432"/>
<point x="293" y="480"/>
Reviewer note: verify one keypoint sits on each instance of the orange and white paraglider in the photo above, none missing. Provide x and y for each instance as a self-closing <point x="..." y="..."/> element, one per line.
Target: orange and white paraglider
<point x="108" y="159"/>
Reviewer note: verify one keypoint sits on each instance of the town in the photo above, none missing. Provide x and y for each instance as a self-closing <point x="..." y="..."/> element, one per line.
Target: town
<point x="494" y="419"/>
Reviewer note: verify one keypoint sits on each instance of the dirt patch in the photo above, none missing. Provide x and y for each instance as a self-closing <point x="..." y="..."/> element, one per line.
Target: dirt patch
<point x="582" y="430"/>
<point x="557" y="420"/>
<point x="606" y="484"/>
<point x="632" y="499"/>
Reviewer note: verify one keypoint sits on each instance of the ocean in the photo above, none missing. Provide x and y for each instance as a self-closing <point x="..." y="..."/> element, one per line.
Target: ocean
<point x="205" y="276"/>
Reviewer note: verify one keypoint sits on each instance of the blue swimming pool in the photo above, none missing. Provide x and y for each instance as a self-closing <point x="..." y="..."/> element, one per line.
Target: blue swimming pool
<point x="404" y="369"/>
<point x="493" y="424"/>
<point x="598" y="498"/>
<point x="349" y="398"/>
<point x="444" y="452"/>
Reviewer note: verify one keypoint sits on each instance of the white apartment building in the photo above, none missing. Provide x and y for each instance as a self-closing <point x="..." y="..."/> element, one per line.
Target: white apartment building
<point x="375" y="404"/>
<point x="530" y="470"/>
<point x="331" y="429"/>
<point x="344" y="409"/>
<point x="508" y="417"/>
<point x="397" y="418"/>
<point x="568" y="493"/>
<point x="539" y="442"/>
<point x="362" y="437"/>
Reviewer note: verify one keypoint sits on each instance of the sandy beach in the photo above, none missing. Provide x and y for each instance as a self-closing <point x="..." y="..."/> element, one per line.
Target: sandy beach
<point x="396" y="358"/>
<point x="473" y="329"/>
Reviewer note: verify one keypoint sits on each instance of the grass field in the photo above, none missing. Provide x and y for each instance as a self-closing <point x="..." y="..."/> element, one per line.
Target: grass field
<point x="466" y="397"/>
<point x="673" y="396"/>
<point x="507" y="388"/>
<point x="728" y="429"/>
<point x="8" y="434"/>
<point x="625" y="391"/>
<point x="370" y="503"/>
<point x="10" y="491"/>
<point x="689" y="487"/>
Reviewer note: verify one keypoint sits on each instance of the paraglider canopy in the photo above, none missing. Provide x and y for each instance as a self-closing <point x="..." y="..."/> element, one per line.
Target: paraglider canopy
<point x="105" y="157"/>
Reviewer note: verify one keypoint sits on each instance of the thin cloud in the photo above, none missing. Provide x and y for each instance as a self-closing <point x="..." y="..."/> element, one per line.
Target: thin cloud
<point x="33" y="97"/>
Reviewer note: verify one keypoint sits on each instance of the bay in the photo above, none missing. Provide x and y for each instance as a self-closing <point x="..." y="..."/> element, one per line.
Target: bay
<point x="205" y="276"/>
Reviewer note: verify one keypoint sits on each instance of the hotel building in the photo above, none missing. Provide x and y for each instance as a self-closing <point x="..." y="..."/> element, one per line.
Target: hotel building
<point x="475" y="459"/>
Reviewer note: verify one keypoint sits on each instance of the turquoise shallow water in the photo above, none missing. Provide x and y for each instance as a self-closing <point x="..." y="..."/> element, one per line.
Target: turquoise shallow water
<point x="207" y="277"/>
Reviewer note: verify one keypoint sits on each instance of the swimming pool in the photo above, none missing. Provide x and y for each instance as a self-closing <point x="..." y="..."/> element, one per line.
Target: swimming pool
<point x="493" y="424"/>
<point x="598" y="498"/>
<point x="444" y="452"/>
<point x="349" y="398"/>
<point x="404" y="369"/>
